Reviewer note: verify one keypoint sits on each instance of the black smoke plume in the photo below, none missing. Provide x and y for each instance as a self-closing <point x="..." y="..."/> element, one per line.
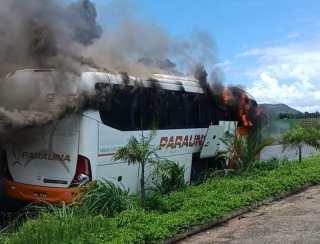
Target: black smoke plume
<point x="45" y="33"/>
<point x="54" y="34"/>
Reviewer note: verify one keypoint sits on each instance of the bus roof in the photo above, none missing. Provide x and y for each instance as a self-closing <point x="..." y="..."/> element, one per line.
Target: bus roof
<point x="167" y="82"/>
<point x="91" y="78"/>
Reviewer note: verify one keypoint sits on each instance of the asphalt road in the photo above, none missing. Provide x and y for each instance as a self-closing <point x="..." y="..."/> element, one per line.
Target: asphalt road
<point x="295" y="219"/>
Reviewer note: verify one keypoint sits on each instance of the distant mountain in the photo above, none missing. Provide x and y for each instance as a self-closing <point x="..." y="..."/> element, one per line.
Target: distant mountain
<point x="273" y="110"/>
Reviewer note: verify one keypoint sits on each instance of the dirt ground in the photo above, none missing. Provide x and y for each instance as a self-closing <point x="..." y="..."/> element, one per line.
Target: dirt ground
<point x="295" y="219"/>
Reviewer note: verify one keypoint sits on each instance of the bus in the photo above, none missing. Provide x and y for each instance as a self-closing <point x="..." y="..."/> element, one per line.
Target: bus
<point x="49" y="163"/>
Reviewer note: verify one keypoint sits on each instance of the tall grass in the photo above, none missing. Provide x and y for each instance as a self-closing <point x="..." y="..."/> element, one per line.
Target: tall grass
<point x="105" y="198"/>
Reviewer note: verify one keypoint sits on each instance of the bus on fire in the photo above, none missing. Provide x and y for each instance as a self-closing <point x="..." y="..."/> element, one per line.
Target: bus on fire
<point x="79" y="148"/>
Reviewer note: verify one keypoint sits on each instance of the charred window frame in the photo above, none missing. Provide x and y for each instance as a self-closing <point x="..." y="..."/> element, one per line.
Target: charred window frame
<point x="115" y="108"/>
<point x="159" y="109"/>
<point x="141" y="108"/>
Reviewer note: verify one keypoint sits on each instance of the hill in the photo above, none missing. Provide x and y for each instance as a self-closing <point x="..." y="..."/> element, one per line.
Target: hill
<point x="273" y="110"/>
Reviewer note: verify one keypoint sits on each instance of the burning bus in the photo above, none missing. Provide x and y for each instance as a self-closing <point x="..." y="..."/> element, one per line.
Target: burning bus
<point x="51" y="161"/>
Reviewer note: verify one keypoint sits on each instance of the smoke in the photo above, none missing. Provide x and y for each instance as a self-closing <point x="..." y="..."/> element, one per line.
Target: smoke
<point x="52" y="34"/>
<point x="140" y="47"/>
<point x="43" y="34"/>
<point x="43" y="96"/>
<point x="232" y="99"/>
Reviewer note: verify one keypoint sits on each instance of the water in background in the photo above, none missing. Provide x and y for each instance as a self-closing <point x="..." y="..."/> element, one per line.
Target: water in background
<point x="275" y="151"/>
<point x="275" y="128"/>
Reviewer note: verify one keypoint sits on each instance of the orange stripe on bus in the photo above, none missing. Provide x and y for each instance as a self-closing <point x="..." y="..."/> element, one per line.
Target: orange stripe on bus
<point x="32" y="193"/>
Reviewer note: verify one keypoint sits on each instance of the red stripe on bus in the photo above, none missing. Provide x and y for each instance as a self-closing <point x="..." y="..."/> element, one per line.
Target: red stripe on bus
<point x="106" y="154"/>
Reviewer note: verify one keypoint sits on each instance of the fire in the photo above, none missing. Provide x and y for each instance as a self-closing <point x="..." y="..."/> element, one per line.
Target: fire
<point x="242" y="103"/>
<point x="243" y="110"/>
<point x="226" y="96"/>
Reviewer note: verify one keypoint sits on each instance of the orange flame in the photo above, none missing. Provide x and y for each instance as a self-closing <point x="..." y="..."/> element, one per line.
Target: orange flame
<point x="243" y="110"/>
<point x="243" y="105"/>
<point x="226" y="96"/>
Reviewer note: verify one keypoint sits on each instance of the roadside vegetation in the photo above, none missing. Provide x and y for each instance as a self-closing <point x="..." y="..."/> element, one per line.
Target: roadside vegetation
<point x="172" y="213"/>
<point x="298" y="137"/>
<point x="107" y="213"/>
<point x="243" y="151"/>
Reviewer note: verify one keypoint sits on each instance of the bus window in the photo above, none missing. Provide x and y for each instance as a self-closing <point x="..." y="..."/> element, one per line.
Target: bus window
<point x="180" y="119"/>
<point x="116" y="112"/>
<point x="204" y="112"/>
<point x="149" y="108"/>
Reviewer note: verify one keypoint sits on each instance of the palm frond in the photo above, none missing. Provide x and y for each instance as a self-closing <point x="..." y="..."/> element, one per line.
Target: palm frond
<point x="243" y="151"/>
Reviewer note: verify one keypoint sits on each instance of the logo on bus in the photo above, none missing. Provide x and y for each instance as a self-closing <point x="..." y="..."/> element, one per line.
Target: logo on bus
<point x="46" y="156"/>
<point x="172" y="142"/>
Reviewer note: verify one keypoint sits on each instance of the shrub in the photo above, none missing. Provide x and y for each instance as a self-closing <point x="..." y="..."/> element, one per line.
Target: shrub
<point x="104" y="197"/>
<point x="168" y="176"/>
<point x="244" y="150"/>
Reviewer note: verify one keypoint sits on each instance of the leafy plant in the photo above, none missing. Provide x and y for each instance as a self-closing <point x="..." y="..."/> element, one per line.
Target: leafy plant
<point x="244" y="150"/>
<point x="104" y="197"/>
<point x="141" y="152"/>
<point x="168" y="176"/>
<point x="298" y="136"/>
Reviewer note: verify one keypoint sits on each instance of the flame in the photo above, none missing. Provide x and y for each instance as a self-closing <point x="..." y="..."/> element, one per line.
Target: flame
<point x="226" y="96"/>
<point x="243" y="105"/>
<point x="244" y="109"/>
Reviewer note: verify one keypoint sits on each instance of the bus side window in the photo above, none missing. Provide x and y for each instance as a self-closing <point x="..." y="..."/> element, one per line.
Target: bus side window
<point x="196" y="110"/>
<point x="188" y="110"/>
<point x="149" y="108"/>
<point x="137" y="110"/>
<point x="116" y="112"/>
<point x="204" y="112"/>
<point x="180" y="115"/>
<point x="143" y="109"/>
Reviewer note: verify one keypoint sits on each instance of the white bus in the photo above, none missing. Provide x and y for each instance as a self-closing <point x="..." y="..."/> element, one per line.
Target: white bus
<point x="50" y="162"/>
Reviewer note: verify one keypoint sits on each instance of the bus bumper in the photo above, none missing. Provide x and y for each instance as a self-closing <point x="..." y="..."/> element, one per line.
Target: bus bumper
<point x="31" y="193"/>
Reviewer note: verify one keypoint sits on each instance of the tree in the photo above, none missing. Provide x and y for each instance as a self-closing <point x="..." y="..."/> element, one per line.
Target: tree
<point x="139" y="152"/>
<point x="298" y="136"/>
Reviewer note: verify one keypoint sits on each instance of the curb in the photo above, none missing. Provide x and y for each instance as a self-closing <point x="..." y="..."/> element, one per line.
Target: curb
<point x="236" y="213"/>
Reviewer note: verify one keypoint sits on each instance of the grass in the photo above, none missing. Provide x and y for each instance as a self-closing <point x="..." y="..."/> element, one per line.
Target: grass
<point x="105" y="198"/>
<point x="175" y="212"/>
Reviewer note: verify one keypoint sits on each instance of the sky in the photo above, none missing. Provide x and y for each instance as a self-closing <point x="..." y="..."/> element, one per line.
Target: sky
<point x="270" y="47"/>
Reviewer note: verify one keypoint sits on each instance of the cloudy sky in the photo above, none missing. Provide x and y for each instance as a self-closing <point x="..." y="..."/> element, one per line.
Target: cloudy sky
<point x="271" y="47"/>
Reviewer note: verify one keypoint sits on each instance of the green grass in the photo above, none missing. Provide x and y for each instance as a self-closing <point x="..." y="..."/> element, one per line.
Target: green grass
<point x="175" y="212"/>
<point x="105" y="198"/>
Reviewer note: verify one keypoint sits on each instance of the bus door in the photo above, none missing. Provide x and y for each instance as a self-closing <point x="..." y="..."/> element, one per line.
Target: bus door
<point x="215" y="133"/>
